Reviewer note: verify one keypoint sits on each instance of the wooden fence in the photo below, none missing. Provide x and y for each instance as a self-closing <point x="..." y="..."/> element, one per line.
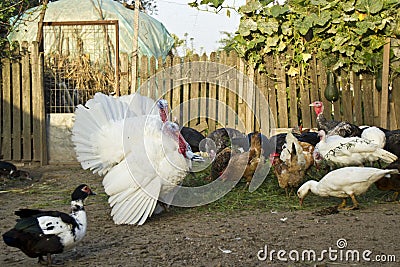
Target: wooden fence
<point x="223" y="80"/>
<point x="23" y="128"/>
<point x="287" y="98"/>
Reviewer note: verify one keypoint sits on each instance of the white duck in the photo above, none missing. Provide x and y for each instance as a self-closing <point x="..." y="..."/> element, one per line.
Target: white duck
<point x="349" y="151"/>
<point x="142" y="154"/>
<point x="343" y="183"/>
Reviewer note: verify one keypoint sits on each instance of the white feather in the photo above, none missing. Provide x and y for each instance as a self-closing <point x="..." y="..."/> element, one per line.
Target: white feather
<point x="375" y="135"/>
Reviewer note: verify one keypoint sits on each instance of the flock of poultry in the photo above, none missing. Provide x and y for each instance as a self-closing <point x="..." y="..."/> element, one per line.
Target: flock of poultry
<point x="144" y="156"/>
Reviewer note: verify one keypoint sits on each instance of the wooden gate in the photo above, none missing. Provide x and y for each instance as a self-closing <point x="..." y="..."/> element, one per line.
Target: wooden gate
<point x="23" y="127"/>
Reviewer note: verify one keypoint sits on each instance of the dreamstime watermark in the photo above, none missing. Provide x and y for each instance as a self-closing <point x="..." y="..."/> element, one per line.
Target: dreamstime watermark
<point x="217" y="76"/>
<point x="340" y="253"/>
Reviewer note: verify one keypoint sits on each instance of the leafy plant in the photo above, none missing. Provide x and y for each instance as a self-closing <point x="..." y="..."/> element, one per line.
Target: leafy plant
<point x="343" y="34"/>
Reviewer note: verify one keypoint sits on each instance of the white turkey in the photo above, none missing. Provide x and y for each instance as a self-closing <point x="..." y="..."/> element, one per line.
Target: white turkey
<point x="349" y="151"/>
<point x="142" y="155"/>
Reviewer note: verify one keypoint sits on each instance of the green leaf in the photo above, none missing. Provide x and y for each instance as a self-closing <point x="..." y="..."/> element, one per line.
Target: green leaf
<point x="286" y="28"/>
<point x="306" y="57"/>
<point x="348" y="6"/>
<point x="323" y="18"/>
<point x="246" y="26"/>
<point x="272" y="41"/>
<point x="369" y="6"/>
<point x="278" y="10"/>
<point x="293" y="71"/>
<point x="269" y="27"/>
<point x="282" y="46"/>
<point x="325" y="44"/>
<point x="250" y="7"/>
<point x="376" y="42"/>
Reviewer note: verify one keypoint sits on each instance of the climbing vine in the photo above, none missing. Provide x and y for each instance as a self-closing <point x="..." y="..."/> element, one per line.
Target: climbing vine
<point x="345" y="35"/>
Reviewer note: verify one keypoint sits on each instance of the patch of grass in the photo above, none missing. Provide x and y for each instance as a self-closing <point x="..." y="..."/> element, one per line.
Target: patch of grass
<point x="270" y="197"/>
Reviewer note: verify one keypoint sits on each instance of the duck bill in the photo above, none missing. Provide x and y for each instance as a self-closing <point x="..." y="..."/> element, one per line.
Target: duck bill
<point x="92" y="193"/>
<point x="311" y="105"/>
<point x="301" y="201"/>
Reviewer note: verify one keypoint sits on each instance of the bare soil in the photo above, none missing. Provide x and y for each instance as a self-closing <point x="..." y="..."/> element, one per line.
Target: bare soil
<point x="197" y="237"/>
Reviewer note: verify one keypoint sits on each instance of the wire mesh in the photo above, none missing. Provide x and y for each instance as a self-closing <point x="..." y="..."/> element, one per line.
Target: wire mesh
<point x="79" y="61"/>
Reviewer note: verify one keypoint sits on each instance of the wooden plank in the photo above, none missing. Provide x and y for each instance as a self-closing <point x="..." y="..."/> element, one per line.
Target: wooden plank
<point x="6" y="109"/>
<point x="281" y="94"/>
<point x="368" y="100"/>
<point x="167" y="79"/>
<point x="313" y="80"/>
<point x="232" y="93"/>
<point x="272" y="91"/>
<point x="385" y="85"/>
<point x="257" y="96"/>
<point x="242" y="88"/>
<point x="124" y="75"/>
<point x="212" y="108"/>
<point x="194" y="92"/>
<point x="16" y="102"/>
<point x="176" y="90"/>
<point x="143" y="76"/>
<point x="222" y="85"/>
<point x="42" y="111"/>
<point x="152" y="83"/>
<point x="160" y="79"/>
<point x="186" y="74"/>
<point x="203" y="91"/>
<point x="264" y="107"/>
<point x="250" y="100"/>
<point x="305" y="105"/>
<point x="35" y="95"/>
<point x="357" y="98"/>
<point x="347" y="97"/>
<point x="293" y="102"/>
<point x="26" y="103"/>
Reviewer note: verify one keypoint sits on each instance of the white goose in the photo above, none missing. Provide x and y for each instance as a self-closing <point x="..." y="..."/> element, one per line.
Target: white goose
<point x="343" y="183"/>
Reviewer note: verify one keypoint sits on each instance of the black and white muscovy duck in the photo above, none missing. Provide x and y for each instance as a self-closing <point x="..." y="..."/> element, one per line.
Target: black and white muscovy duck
<point x="142" y="154"/>
<point x="10" y="170"/>
<point x="349" y="151"/>
<point x="39" y="233"/>
<point x="332" y="127"/>
<point x="344" y="182"/>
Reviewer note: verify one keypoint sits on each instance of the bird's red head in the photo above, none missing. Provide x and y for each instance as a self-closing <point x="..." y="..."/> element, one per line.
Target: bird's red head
<point x="182" y="145"/>
<point x="273" y="158"/>
<point x="318" y="107"/>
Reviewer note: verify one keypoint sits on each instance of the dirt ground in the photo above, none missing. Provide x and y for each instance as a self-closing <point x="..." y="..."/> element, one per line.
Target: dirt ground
<point x="194" y="237"/>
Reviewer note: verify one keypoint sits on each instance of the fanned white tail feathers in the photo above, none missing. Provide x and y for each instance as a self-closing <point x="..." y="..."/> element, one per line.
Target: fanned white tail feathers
<point x="98" y="129"/>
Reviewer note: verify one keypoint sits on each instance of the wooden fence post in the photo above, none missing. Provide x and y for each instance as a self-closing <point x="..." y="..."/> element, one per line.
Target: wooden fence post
<point x="385" y="85"/>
